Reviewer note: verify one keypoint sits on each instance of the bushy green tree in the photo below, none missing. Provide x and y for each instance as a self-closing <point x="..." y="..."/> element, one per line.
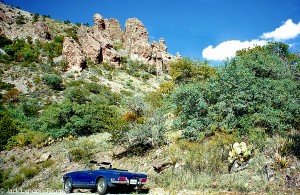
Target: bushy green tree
<point x="82" y="113"/>
<point x="151" y="132"/>
<point x="256" y="89"/>
<point x="186" y="70"/>
<point x="8" y="128"/>
<point x="72" y="118"/>
<point x="5" y="41"/>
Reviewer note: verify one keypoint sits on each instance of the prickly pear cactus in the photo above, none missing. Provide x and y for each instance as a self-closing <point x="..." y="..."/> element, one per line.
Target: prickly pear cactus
<point x="240" y="151"/>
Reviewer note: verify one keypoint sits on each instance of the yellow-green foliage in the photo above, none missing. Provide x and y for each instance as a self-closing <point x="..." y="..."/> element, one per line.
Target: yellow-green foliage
<point x="130" y="116"/>
<point x="30" y="170"/>
<point x="166" y="87"/>
<point x="15" y="181"/>
<point x="208" y="156"/>
<point x="185" y="70"/>
<point x="240" y="151"/>
<point x="29" y="137"/>
<point x="82" y="150"/>
<point x="47" y="163"/>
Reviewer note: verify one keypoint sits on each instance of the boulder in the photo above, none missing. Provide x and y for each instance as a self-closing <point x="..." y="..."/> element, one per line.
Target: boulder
<point x="44" y="157"/>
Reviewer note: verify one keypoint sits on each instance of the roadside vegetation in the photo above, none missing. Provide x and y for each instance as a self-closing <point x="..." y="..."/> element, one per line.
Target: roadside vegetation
<point x="193" y="121"/>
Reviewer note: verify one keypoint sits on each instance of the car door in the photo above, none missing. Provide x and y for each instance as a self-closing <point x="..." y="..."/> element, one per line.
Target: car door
<point x="86" y="178"/>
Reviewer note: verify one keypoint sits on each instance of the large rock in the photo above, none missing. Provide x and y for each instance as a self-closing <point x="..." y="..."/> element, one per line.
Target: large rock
<point x="73" y="54"/>
<point x="136" y="40"/>
<point x="90" y="46"/>
<point x="42" y="31"/>
<point x="115" y="31"/>
<point x="97" y="43"/>
<point x="160" y="58"/>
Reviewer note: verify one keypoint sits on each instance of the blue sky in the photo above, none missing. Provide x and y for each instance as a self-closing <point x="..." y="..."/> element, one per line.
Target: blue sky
<point x="199" y="29"/>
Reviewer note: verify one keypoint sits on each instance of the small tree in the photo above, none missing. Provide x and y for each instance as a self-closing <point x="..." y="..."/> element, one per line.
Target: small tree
<point x="7" y="129"/>
<point x="53" y="80"/>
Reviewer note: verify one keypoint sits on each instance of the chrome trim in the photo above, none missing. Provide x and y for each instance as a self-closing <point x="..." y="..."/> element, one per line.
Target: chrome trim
<point x="119" y="182"/>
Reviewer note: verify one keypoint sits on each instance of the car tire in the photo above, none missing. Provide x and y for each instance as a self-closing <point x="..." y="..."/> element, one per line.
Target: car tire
<point x="68" y="187"/>
<point x="101" y="186"/>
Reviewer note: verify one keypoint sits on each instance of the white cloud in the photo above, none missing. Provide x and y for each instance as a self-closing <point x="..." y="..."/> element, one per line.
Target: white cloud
<point x="228" y="49"/>
<point x="288" y="30"/>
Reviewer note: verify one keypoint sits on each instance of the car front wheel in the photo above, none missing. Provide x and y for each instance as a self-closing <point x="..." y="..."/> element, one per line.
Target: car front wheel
<point x="68" y="186"/>
<point x="101" y="186"/>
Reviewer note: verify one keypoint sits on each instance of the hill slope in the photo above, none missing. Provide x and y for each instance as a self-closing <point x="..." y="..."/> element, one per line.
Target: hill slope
<point x="75" y="93"/>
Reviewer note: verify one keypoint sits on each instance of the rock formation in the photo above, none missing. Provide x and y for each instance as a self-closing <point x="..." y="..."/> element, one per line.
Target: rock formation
<point x="104" y="42"/>
<point x="73" y="54"/>
<point x="98" y="43"/>
<point x="16" y="23"/>
<point x="136" y="40"/>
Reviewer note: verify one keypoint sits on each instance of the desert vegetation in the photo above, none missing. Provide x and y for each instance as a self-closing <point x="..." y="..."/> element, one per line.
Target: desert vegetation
<point x="219" y="128"/>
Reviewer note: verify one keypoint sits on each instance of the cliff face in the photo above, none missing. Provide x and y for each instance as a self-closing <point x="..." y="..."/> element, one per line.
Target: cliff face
<point x="99" y="43"/>
<point x="104" y="42"/>
<point x="16" y="23"/>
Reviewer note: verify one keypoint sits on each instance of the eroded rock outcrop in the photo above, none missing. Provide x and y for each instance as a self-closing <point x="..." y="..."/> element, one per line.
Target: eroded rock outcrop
<point x="136" y="40"/>
<point x="98" y="43"/>
<point x="73" y="54"/>
<point x="104" y="42"/>
<point x="115" y="31"/>
<point x="16" y="23"/>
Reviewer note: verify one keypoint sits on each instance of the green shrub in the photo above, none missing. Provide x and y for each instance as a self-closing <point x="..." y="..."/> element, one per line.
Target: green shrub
<point x="28" y="137"/>
<point x="75" y="83"/>
<point x="137" y="105"/>
<point x="118" y="45"/>
<point x="8" y="128"/>
<point x="6" y="86"/>
<point x="35" y="18"/>
<point x="166" y="87"/>
<point x="150" y="132"/>
<point x="30" y="171"/>
<point x="53" y="80"/>
<point x="5" y="41"/>
<point x="72" y="32"/>
<point x="72" y="118"/>
<point x="16" y="181"/>
<point x="253" y="90"/>
<point x="4" y="175"/>
<point x="30" y="107"/>
<point x="20" y="20"/>
<point x="77" y="95"/>
<point x="185" y="70"/>
<point x="47" y="163"/>
<point x="257" y="137"/>
<point x="82" y="150"/>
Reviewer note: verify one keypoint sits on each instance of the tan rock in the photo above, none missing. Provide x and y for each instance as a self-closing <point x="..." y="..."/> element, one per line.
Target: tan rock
<point x="42" y="31"/>
<point x="44" y="157"/>
<point x="96" y="43"/>
<point x="90" y="46"/>
<point x="115" y="31"/>
<point x="73" y="54"/>
<point x="11" y="29"/>
<point x="136" y="40"/>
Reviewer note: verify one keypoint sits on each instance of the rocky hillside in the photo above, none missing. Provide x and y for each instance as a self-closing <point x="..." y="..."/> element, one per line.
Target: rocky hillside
<point x="104" y="42"/>
<point x="72" y="93"/>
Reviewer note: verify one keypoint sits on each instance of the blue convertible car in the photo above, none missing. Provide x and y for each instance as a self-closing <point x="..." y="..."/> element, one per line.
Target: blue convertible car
<point x="103" y="178"/>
